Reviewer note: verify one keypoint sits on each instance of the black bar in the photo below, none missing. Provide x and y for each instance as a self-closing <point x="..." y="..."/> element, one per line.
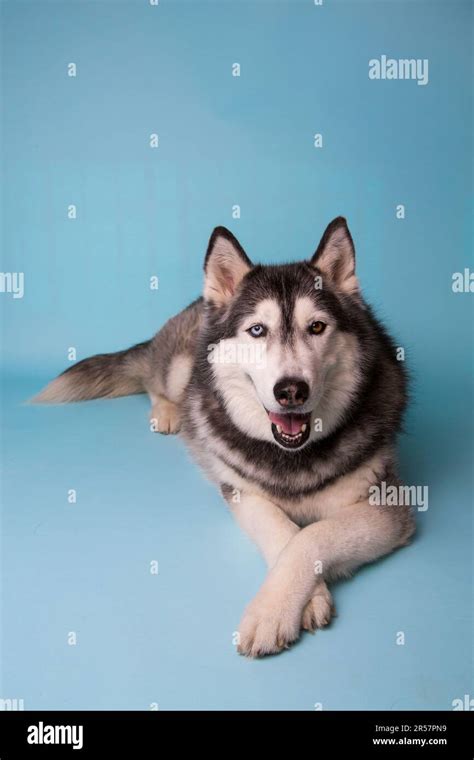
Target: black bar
<point x="420" y="734"/>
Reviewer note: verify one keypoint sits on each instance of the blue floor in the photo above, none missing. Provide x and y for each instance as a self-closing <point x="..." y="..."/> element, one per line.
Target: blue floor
<point x="144" y="639"/>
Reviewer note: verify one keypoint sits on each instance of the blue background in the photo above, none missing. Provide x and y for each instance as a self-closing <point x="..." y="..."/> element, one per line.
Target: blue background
<point x="85" y="567"/>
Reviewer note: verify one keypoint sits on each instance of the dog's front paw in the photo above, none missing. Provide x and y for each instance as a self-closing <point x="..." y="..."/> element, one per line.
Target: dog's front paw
<point x="267" y="627"/>
<point x="319" y="610"/>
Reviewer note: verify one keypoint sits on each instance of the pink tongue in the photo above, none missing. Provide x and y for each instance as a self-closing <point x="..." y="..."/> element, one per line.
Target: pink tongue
<point x="291" y="424"/>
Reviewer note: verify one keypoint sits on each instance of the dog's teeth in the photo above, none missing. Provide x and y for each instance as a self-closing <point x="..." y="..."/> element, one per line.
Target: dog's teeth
<point x="291" y="439"/>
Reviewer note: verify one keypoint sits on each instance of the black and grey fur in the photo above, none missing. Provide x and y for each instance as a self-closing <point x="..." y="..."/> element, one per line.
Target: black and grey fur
<point x="294" y="444"/>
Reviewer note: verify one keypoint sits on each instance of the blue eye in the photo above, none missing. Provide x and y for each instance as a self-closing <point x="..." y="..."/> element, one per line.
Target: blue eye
<point x="257" y="331"/>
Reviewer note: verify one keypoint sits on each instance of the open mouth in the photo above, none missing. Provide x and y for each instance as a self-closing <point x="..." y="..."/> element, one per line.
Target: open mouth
<point x="290" y="430"/>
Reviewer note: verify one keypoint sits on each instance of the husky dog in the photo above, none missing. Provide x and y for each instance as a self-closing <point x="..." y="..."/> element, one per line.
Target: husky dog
<point x="288" y="392"/>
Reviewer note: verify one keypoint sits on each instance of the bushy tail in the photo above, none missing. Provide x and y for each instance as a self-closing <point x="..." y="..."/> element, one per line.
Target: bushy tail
<point x="100" y="376"/>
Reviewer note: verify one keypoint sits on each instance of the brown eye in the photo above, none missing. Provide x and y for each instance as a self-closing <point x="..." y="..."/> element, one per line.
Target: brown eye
<point x="316" y="328"/>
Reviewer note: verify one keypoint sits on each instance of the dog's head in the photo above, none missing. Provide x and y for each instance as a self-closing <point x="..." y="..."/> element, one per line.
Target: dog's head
<point x="284" y="341"/>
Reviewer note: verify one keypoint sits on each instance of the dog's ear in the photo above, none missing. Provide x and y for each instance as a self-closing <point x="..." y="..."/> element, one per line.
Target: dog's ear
<point x="335" y="256"/>
<point x="225" y="265"/>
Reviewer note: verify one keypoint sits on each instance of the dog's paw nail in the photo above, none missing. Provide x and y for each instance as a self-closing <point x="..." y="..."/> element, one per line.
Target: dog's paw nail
<point x="319" y="611"/>
<point x="268" y="627"/>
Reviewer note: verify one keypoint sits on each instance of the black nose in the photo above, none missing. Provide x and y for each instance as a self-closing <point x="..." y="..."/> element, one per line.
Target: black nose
<point x="291" y="392"/>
